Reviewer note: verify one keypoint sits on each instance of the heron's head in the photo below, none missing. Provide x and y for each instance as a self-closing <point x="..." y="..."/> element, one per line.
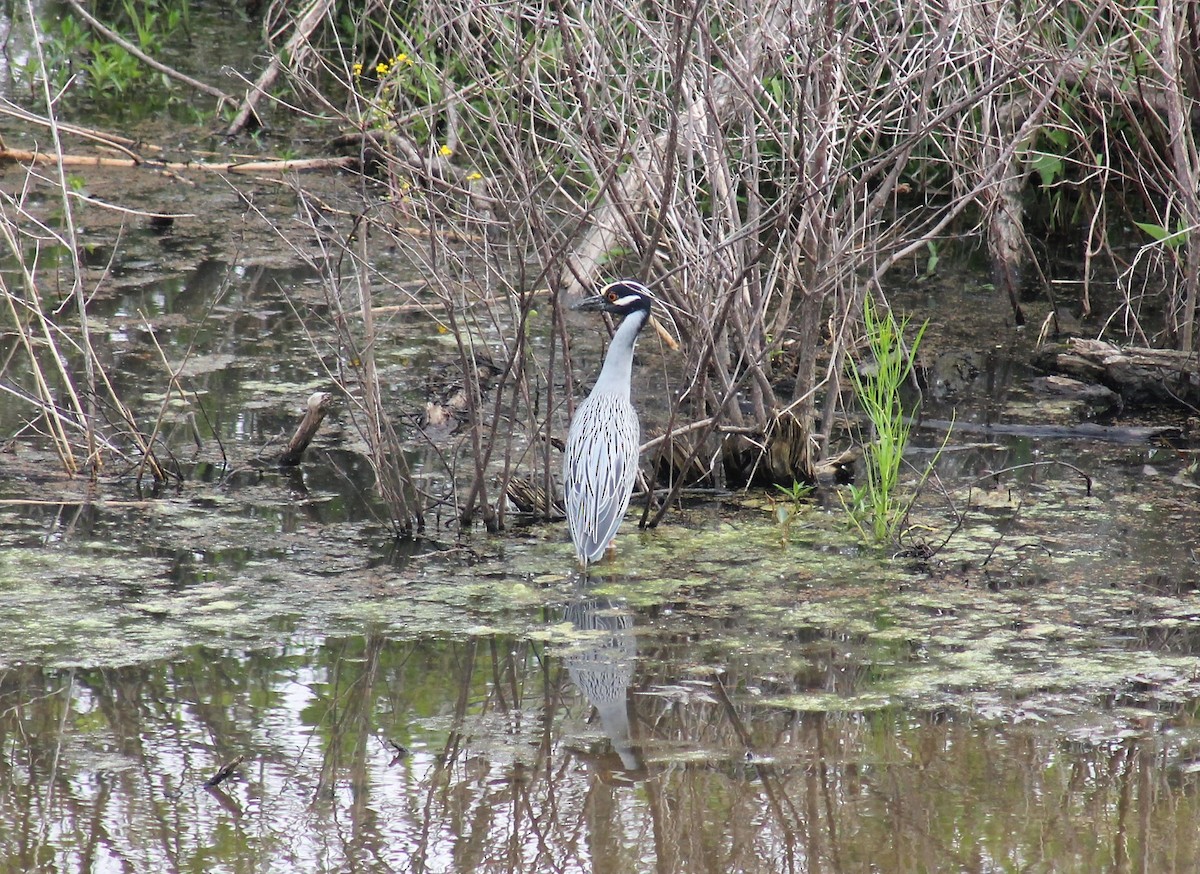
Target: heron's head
<point x="619" y="298"/>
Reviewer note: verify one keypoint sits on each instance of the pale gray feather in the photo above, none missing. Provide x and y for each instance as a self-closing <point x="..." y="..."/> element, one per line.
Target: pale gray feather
<point x="599" y="470"/>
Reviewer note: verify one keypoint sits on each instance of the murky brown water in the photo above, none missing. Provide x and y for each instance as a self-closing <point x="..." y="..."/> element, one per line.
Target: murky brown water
<point x="737" y="695"/>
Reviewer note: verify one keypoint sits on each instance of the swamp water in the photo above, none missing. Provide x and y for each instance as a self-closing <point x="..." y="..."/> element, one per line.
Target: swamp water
<point x="744" y="689"/>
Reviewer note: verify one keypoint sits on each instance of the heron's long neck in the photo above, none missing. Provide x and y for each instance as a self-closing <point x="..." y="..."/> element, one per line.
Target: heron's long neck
<point x="618" y="363"/>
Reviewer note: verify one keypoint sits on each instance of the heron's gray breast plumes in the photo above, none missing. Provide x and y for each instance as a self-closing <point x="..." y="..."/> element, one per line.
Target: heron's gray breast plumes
<point x="601" y="466"/>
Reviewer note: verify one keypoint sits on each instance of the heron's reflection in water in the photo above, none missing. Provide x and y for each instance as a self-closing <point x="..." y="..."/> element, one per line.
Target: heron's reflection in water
<point x="601" y="663"/>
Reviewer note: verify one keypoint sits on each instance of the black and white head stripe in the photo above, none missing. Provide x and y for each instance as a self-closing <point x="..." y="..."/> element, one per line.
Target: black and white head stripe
<point x="622" y="297"/>
<point x="626" y="296"/>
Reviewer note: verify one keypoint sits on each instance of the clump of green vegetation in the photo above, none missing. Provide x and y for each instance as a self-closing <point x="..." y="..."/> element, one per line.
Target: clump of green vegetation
<point x="789" y="504"/>
<point x="81" y="62"/>
<point x="877" y="507"/>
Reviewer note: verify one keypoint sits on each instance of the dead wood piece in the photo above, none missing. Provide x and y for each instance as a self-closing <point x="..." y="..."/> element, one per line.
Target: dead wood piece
<point x="440" y="418"/>
<point x="789" y="451"/>
<point x="681" y="459"/>
<point x="1098" y="399"/>
<point x="318" y="406"/>
<point x="1125" y="434"/>
<point x="528" y="496"/>
<point x="296" y="50"/>
<point x="1007" y="242"/>
<point x="224" y="773"/>
<point x="296" y="165"/>
<point x="23" y="156"/>
<point x="838" y="469"/>
<point x="1139" y="375"/>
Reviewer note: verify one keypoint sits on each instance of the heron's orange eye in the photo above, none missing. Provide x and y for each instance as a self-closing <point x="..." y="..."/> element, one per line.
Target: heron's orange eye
<point x="612" y="295"/>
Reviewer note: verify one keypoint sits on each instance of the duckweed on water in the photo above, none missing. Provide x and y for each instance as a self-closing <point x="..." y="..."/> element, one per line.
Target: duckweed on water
<point x="182" y="575"/>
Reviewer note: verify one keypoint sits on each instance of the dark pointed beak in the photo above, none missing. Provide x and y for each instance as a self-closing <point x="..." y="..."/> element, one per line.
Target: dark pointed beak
<point x="591" y="304"/>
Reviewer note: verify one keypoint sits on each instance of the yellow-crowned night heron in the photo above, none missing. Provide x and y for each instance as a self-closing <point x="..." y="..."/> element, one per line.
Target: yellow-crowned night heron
<point x="602" y="446"/>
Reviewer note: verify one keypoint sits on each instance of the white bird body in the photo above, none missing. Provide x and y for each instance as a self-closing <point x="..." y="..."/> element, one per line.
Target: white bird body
<point x="600" y="464"/>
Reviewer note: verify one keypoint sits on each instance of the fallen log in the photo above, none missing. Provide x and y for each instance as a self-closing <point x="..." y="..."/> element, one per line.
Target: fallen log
<point x="1139" y="375"/>
<point x="294" y="165"/>
<point x="1124" y="434"/>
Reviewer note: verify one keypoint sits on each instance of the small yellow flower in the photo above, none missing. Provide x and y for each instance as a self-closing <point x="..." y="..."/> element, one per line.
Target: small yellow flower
<point x="445" y="151"/>
<point x="402" y="59"/>
<point x="474" y="177"/>
<point x="357" y="70"/>
<point x="382" y="68"/>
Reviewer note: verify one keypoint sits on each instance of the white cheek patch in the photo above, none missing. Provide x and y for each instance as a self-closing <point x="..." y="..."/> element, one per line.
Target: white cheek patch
<point x="627" y="300"/>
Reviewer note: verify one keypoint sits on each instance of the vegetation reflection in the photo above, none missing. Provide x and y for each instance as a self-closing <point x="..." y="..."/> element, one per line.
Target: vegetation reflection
<point x="482" y="755"/>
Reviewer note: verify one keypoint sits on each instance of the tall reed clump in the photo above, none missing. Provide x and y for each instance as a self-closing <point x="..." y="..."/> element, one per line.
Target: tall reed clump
<point x="877" y="506"/>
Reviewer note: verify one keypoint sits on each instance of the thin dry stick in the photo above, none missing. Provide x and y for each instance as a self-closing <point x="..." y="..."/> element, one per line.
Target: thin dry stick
<point x="391" y="465"/>
<point x="1183" y="164"/>
<point x="45" y="400"/>
<point x="70" y="241"/>
<point x="106" y="138"/>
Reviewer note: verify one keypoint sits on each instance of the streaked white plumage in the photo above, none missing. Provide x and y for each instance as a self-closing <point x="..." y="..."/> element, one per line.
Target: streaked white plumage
<point x="600" y="463"/>
<point x="598" y="480"/>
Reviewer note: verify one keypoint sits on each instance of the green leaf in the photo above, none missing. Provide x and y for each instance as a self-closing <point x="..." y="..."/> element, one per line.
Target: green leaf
<point x="1049" y="167"/>
<point x="1162" y="235"/>
<point x="931" y="263"/>
<point x="1058" y="136"/>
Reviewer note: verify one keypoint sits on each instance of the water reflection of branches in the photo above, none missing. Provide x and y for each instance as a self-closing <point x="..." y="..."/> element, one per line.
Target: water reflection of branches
<point x="494" y="788"/>
<point x="493" y="782"/>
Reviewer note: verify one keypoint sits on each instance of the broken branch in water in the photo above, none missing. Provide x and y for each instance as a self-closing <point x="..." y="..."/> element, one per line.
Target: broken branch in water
<point x="318" y="405"/>
<point x="995" y="474"/>
<point x="225" y="772"/>
<point x="114" y="37"/>
<point x="297" y="48"/>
